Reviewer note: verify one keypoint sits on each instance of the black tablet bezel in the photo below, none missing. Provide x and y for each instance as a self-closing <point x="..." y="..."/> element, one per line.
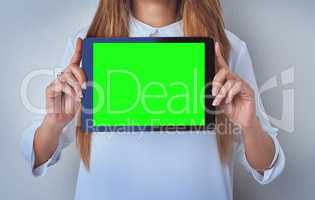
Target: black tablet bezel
<point x="87" y="101"/>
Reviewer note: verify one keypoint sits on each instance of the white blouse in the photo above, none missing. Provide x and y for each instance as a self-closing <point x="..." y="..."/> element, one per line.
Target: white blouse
<point x="160" y="165"/>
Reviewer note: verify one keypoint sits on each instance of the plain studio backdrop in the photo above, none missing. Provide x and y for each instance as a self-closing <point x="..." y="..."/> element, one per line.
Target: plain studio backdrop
<point x="281" y="39"/>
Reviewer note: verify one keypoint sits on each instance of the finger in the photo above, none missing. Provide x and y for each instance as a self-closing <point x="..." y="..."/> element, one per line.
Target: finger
<point x="76" y="58"/>
<point x="55" y="88"/>
<point x="223" y="92"/>
<point x="235" y="90"/>
<point x="69" y="105"/>
<point x="62" y="102"/>
<point x="56" y="106"/>
<point x="58" y="88"/>
<point x="228" y="109"/>
<point x="219" y="80"/>
<point x="220" y="59"/>
<point x="79" y="75"/>
<point x="72" y="81"/>
<point x="69" y="91"/>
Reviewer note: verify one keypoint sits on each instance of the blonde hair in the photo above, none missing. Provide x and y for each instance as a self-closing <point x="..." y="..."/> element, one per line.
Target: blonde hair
<point x="200" y="18"/>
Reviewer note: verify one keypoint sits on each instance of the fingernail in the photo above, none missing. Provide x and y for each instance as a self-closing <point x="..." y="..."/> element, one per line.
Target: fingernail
<point x="215" y="102"/>
<point x="84" y="86"/>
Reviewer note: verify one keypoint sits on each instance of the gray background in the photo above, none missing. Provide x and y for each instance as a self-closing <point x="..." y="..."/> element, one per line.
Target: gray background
<point x="279" y="34"/>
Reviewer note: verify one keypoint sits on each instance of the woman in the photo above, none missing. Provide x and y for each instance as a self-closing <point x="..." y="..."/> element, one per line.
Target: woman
<point x="160" y="166"/>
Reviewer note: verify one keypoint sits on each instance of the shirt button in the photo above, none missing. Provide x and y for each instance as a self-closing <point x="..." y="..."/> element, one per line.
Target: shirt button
<point x="154" y="33"/>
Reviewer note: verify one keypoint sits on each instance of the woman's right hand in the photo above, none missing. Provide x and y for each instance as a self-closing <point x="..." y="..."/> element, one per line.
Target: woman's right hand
<point x="64" y="94"/>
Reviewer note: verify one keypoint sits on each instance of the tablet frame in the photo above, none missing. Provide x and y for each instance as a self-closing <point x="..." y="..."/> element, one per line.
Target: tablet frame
<point x="87" y="101"/>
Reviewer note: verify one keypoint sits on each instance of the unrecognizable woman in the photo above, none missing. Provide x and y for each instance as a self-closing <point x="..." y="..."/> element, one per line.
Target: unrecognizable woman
<point x="192" y="166"/>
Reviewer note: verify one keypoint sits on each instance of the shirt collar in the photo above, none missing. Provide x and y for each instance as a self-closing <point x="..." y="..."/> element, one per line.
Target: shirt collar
<point x="140" y="29"/>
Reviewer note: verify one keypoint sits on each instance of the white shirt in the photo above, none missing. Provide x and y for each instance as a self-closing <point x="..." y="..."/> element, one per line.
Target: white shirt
<point x="155" y="165"/>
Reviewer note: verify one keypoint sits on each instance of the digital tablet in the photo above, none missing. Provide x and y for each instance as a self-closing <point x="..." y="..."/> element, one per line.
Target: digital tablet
<point x="148" y="84"/>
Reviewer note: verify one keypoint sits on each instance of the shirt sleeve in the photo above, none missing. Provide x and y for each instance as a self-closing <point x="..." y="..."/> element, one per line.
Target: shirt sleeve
<point x="244" y="68"/>
<point x="67" y="136"/>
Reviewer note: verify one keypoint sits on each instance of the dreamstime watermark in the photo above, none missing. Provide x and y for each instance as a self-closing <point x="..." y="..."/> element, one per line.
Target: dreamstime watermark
<point x="192" y="94"/>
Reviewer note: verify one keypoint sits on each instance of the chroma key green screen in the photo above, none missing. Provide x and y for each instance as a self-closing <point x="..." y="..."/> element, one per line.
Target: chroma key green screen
<point x="147" y="83"/>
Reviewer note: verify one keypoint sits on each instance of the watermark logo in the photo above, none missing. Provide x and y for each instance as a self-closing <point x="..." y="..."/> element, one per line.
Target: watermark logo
<point x="285" y="79"/>
<point x="286" y="121"/>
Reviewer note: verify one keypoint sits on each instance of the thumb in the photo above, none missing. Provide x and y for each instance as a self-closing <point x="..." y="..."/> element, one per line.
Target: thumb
<point x="77" y="55"/>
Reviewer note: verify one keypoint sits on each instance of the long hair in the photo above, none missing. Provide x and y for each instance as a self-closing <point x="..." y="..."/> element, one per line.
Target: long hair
<point x="200" y="18"/>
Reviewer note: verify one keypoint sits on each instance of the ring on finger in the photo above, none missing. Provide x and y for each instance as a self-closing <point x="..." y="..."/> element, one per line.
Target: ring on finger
<point x="59" y="76"/>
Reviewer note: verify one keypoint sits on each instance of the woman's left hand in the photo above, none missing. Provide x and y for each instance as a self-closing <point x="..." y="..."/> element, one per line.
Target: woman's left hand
<point x="233" y="95"/>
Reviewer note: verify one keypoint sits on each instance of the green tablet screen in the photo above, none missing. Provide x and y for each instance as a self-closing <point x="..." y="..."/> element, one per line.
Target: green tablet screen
<point x="148" y="84"/>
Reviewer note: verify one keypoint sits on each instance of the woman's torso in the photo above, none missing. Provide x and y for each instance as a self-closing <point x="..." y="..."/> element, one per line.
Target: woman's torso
<point x="155" y="165"/>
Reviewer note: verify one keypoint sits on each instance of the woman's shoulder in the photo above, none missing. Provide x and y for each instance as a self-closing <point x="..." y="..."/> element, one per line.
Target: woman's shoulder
<point x="78" y="34"/>
<point x="70" y="45"/>
<point x="237" y="46"/>
<point x="236" y="43"/>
